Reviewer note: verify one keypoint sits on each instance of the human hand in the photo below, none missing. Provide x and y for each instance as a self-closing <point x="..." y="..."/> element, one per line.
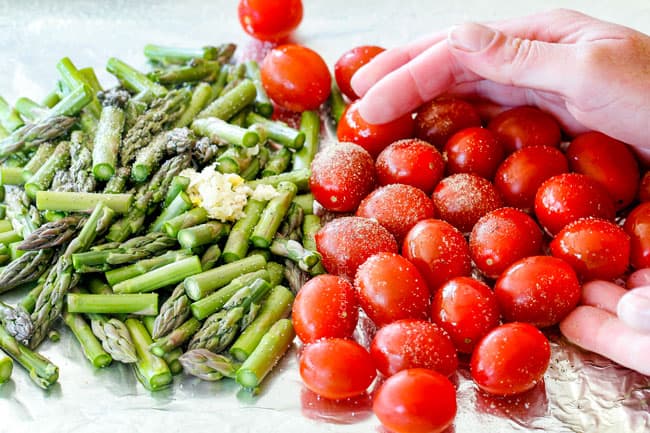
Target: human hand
<point x="614" y="322"/>
<point x="590" y="74"/>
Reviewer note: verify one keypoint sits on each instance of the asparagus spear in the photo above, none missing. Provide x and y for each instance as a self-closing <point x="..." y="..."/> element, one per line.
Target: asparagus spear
<point x="143" y="304"/>
<point x="179" y="184"/>
<point x="9" y="117"/>
<point x="176" y="338"/>
<point x="218" y="130"/>
<point x="210" y="257"/>
<point x="201" y="96"/>
<point x="114" y="336"/>
<point x="115" y="276"/>
<point x="28" y="267"/>
<point x="191" y="218"/>
<point x="108" y="137"/>
<point x="272" y="215"/>
<point x="195" y="70"/>
<point x="231" y="102"/>
<point x="298" y="177"/>
<point x="152" y="372"/>
<point x="293" y="250"/>
<point x="41" y="370"/>
<point x="167" y="275"/>
<point x="277" y="163"/>
<point x="117" y="183"/>
<point x="79" y="177"/>
<point x="177" y="207"/>
<point x="16" y="322"/>
<point x="336" y="103"/>
<point x="149" y="157"/>
<point x="29" y="109"/>
<point x="59" y="160"/>
<point x="278" y="131"/>
<point x="27" y="303"/>
<point x="171" y="357"/>
<point x="203" y="234"/>
<point x="207" y="365"/>
<point x="310" y="126"/>
<point x="60" y="278"/>
<point x="173" y="312"/>
<point x="175" y="55"/>
<point x="133" y="79"/>
<point x="263" y="104"/>
<point x="52" y="234"/>
<point x="237" y="243"/>
<point x="90" y="345"/>
<point x="81" y="201"/>
<point x="266" y="355"/>
<point x="6" y="367"/>
<point x="41" y="155"/>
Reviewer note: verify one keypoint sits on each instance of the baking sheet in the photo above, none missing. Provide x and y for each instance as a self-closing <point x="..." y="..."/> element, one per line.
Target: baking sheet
<point x="581" y="392"/>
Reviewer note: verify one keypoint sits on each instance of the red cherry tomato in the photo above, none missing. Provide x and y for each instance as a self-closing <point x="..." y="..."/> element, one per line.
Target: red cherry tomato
<point x="644" y="189"/>
<point x="502" y="237"/>
<point x="510" y="359"/>
<point x="413" y="162"/>
<point x="296" y="77"/>
<point x="609" y="161"/>
<point x="467" y="309"/>
<point x="270" y="20"/>
<point x="326" y="306"/>
<point x="349" y="63"/>
<point x="437" y="120"/>
<point x="540" y="290"/>
<point x="342" y="174"/>
<point x="390" y="288"/>
<point x="373" y="138"/>
<point x="519" y="177"/>
<point x="397" y="207"/>
<point x="474" y="150"/>
<point x="637" y="225"/>
<point x="525" y="126"/>
<point x="416" y="401"/>
<point x="567" y="197"/>
<point x="336" y="368"/>
<point x="462" y="199"/>
<point x="438" y="250"/>
<point x="411" y="344"/>
<point x="595" y="248"/>
<point x="345" y="243"/>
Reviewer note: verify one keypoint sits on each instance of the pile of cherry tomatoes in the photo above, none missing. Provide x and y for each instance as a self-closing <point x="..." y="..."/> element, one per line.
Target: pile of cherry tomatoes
<point x="458" y="234"/>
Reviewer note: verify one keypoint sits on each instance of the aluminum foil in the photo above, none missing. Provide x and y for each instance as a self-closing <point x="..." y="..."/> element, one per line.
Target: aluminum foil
<point x="581" y="392"/>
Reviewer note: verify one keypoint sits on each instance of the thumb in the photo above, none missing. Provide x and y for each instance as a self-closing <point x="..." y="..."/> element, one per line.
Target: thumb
<point x="634" y="309"/>
<point x="510" y="60"/>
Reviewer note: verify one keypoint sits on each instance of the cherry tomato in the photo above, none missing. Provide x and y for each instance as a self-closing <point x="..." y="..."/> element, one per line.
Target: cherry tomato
<point x="296" y="77"/>
<point x="397" y="207"/>
<point x="510" y="359"/>
<point x="462" y="199"/>
<point x="637" y="225"/>
<point x="390" y="288"/>
<point x="413" y="344"/>
<point x="345" y="243"/>
<point x="326" y="306"/>
<point x="502" y="237"/>
<point x="474" y="150"/>
<point x="525" y="126"/>
<point x="342" y="174"/>
<point x="349" y="63"/>
<point x="519" y="177"/>
<point x="438" y="250"/>
<point x="609" y="161"/>
<point x="644" y="189"/>
<point x="270" y="20"/>
<point x="336" y="368"/>
<point x="373" y="138"/>
<point x="416" y="401"/>
<point x="595" y="248"/>
<point x="437" y="120"/>
<point x="567" y="197"/>
<point x="467" y="309"/>
<point x="540" y="290"/>
<point x="413" y="162"/>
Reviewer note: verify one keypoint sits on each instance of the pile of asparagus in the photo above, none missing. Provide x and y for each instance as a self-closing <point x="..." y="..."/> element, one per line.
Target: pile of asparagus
<point x="97" y="227"/>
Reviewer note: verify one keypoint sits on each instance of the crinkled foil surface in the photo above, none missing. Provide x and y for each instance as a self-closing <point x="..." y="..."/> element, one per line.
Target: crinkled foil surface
<point x="581" y="392"/>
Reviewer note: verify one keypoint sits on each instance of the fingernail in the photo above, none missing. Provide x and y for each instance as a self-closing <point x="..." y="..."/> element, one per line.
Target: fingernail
<point x="471" y="37"/>
<point x="634" y="310"/>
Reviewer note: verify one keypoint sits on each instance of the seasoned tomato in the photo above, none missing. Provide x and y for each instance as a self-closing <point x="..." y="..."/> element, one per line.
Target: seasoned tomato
<point x="326" y="306"/>
<point x="336" y="368"/>
<point x="411" y="161"/>
<point x="345" y="243"/>
<point x="349" y="63"/>
<point x="502" y="237"/>
<point x="525" y="126"/>
<point x="270" y="20"/>
<point x="416" y="401"/>
<point x="510" y="359"/>
<point x="567" y="197"/>
<point x="438" y="250"/>
<point x="522" y="173"/>
<point x="411" y="344"/>
<point x="540" y="290"/>
<point x="474" y="150"/>
<point x="462" y="199"/>
<point x="467" y="309"/>
<point x="342" y="175"/>
<point x="397" y="207"/>
<point x="374" y="138"/>
<point x="390" y="288"/>
<point x="608" y="161"/>
<point x="296" y="77"/>
<point x="595" y="248"/>
<point x="637" y="225"/>
<point x="437" y="120"/>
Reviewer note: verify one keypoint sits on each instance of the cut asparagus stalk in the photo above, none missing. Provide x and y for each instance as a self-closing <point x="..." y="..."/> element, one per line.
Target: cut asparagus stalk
<point x="237" y="244"/>
<point x="152" y="371"/>
<point x="176" y="338"/>
<point x="218" y="130"/>
<point x="310" y="126"/>
<point x="143" y="304"/>
<point x="191" y="218"/>
<point x="298" y="177"/>
<point x="6" y="367"/>
<point x="81" y="201"/>
<point x="41" y="370"/>
<point x="263" y="104"/>
<point x="133" y="79"/>
<point x="207" y="365"/>
<point x="201" y="96"/>
<point x="273" y="215"/>
<point x="90" y="345"/>
<point x="337" y="103"/>
<point x="167" y="275"/>
<point x="115" y="276"/>
<point x="203" y="234"/>
<point x="180" y="204"/>
<point x="231" y="102"/>
<point x="278" y="131"/>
